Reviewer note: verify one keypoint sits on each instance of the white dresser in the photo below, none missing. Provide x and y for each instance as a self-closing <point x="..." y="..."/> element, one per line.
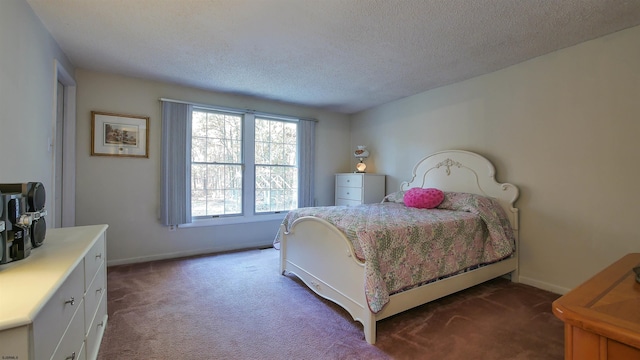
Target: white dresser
<point x="359" y="188"/>
<point x="53" y="304"/>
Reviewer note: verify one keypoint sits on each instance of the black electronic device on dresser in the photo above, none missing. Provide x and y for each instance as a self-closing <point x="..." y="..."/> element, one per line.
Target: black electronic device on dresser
<point x="2" y="246"/>
<point x="22" y="214"/>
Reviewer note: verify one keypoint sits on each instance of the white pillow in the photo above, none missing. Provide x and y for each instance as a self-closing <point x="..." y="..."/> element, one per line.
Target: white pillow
<point x="396" y="197"/>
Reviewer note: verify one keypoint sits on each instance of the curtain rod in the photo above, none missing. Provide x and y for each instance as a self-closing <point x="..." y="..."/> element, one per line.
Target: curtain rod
<point x="236" y="110"/>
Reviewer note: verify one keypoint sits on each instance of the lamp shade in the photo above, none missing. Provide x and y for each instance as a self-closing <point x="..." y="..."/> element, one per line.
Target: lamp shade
<point x="361" y="152"/>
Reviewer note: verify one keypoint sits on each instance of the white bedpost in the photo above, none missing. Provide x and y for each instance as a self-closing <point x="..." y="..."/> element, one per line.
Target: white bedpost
<point x="283" y="248"/>
<point x="515" y="274"/>
<point x="369" y="324"/>
<point x="515" y="225"/>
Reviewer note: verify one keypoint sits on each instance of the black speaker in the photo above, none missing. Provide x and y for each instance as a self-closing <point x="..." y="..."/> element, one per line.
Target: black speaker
<point x="35" y="196"/>
<point x="33" y="191"/>
<point x="3" y="245"/>
<point x="16" y="240"/>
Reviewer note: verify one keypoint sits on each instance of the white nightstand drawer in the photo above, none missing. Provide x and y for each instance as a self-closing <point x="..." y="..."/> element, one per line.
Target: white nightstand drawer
<point x="350" y="180"/>
<point x="345" y="202"/>
<point x="349" y="193"/>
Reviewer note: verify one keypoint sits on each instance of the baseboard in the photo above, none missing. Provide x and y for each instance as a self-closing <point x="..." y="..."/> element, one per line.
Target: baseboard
<point x="544" y="285"/>
<point x="180" y="254"/>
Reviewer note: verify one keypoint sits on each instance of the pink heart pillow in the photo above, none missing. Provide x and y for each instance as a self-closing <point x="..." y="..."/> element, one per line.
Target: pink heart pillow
<point x="423" y="198"/>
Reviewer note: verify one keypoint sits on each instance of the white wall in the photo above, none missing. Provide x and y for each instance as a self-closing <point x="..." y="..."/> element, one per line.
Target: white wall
<point x="27" y="72"/>
<point x="125" y="192"/>
<point x="564" y="127"/>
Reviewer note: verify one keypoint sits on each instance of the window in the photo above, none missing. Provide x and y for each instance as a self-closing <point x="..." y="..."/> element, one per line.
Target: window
<point x="242" y="165"/>
<point x="275" y="163"/>
<point x="233" y="165"/>
<point x="216" y="163"/>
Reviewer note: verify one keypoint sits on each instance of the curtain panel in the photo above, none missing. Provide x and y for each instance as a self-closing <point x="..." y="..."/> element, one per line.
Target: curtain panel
<point x="306" y="163"/>
<point x="175" y="197"/>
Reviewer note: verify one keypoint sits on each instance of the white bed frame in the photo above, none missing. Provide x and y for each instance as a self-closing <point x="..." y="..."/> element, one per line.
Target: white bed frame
<point x="323" y="258"/>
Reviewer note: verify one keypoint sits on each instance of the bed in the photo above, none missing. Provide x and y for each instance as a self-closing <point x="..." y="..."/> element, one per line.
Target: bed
<point x="323" y="256"/>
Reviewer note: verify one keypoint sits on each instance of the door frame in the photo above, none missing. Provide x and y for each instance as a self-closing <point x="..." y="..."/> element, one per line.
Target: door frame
<point x="68" y="146"/>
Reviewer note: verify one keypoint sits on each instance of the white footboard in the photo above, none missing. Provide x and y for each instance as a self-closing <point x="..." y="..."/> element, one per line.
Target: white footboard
<point x="321" y="256"/>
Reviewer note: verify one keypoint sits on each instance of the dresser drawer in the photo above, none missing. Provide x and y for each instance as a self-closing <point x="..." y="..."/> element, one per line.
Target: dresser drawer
<point x="72" y="343"/>
<point x="349" y="180"/>
<point x="54" y="318"/>
<point x="349" y="193"/>
<point x="96" y="330"/>
<point x="93" y="260"/>
<point x="92" y="298"/>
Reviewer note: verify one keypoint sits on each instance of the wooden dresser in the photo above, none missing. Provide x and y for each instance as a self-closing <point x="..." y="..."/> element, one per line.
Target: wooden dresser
<point x="359" y="188"/>
<point x="53" y="304"/>
<point x="602" y="316"/>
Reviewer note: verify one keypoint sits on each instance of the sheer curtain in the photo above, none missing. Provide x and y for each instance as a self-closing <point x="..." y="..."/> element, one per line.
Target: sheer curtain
<point x="175" y="197"/>
<point x="306" y="167"/>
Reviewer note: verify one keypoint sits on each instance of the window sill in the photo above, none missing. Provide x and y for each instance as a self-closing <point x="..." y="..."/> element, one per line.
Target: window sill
<point x="234" y="220"/>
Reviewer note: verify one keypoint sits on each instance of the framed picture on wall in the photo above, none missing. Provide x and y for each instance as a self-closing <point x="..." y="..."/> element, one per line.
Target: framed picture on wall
<point x="119" y="135"/>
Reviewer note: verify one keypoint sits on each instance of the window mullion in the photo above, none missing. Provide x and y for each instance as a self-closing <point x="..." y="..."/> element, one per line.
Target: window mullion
<point x="249" y="164"/>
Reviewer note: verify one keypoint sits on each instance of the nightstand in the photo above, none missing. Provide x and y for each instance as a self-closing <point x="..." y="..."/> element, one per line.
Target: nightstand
<point x="359" y="188"/>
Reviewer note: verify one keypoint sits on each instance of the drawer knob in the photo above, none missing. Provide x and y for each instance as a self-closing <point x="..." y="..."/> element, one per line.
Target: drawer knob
<point x="99" y="290"/>
<point x="72" y="357"/>
<point x="99" y="256"/>
<point x="101" y="323"/>
<point x="71" y="301"/>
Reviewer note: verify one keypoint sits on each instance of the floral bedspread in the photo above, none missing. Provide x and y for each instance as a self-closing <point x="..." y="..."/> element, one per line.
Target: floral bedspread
<point x="403" y="247"/>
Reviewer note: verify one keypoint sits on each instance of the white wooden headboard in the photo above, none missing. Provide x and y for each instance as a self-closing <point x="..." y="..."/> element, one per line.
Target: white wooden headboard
<point x="464" y="171"/>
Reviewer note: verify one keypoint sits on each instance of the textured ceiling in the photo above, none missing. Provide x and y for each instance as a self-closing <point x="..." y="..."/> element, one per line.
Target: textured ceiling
<point x="338" y="55"/>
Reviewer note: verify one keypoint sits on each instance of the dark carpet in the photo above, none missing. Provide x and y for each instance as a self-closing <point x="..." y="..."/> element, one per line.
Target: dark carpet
<point x="237" y="306"/>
